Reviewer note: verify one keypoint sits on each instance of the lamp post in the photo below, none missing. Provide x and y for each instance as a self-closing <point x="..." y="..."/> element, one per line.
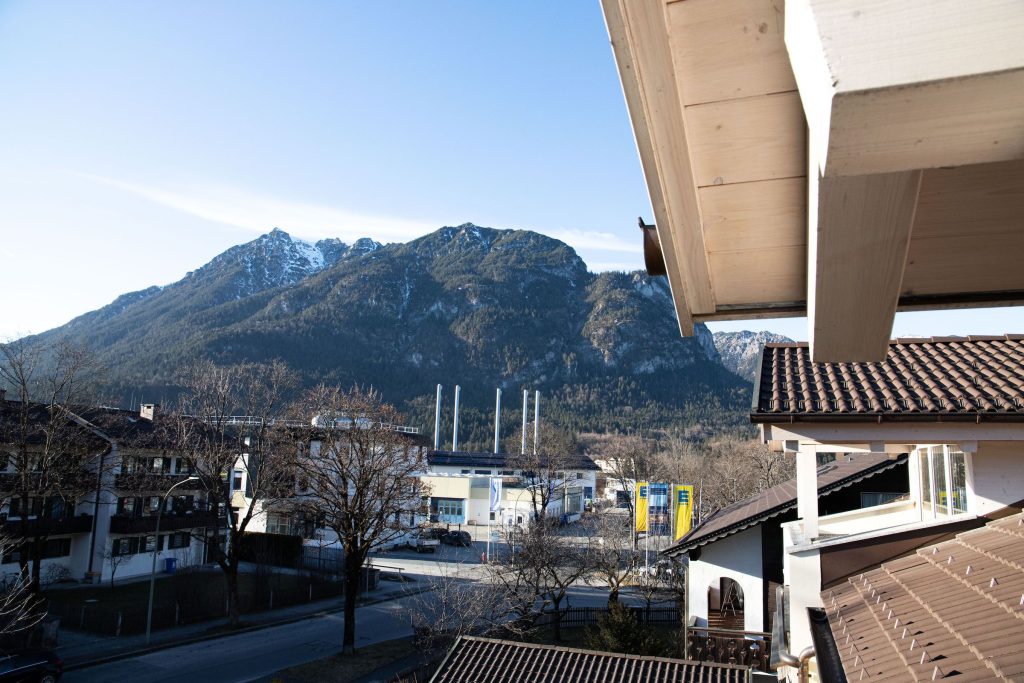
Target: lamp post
<point x="156" y="550"/>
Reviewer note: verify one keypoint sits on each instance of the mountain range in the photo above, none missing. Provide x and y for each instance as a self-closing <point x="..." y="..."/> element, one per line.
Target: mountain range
<point x="466" y="305"/>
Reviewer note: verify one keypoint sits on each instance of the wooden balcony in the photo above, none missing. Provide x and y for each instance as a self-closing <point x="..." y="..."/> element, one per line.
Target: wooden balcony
<point x="156" y="483"/>
<point x="46" y="526"/>
<point x="124" y="524"/>
<point x="729" y="646"/>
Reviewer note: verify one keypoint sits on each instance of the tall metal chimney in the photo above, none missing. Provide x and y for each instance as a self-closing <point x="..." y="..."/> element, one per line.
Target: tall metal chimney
<point x="455" y="426"/>
<point x="536" y="420"/>
<point x="526" y="407"/>
<point x="437" y="420"/>
<point x="497" y="420"/>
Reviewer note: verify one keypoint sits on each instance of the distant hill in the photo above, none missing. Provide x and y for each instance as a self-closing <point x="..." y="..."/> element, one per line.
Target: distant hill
<point x="469" y="305"/>
<point x="741" y="351"/>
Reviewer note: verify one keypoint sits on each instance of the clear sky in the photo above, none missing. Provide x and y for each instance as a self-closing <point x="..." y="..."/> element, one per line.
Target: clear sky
<point x="138" y="139"/>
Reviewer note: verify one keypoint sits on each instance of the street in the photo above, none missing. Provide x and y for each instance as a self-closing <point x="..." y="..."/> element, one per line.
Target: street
<point x="256" y="655"/>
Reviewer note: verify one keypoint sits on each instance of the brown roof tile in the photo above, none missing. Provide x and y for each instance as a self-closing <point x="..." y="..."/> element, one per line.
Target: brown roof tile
<point x="954" y="609"/>
<point x="485" y="660"/>
<point x="778" y="499"/>
<point x="945" y="377"/>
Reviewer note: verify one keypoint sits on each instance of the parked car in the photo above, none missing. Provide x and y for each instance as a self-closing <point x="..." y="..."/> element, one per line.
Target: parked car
<point x="30" y="666"/>
<point x="424" y="542"/>
<point x="435" y="532"/>
<point x="459" y="538"/>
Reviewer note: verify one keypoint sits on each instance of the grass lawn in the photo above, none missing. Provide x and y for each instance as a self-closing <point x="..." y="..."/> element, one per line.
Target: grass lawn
<point x="341" y="669"/>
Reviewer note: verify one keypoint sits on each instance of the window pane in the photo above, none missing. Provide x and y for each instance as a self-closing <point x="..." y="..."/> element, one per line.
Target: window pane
<point x="958" y="463"/>
<point x="939" y="479"/>
<point x="926" y="479"/>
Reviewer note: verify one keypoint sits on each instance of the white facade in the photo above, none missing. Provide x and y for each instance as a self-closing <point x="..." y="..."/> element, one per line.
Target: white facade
<point x="957" y="472"/>
<point x="461" y="495"/>
<point x="737" y="557"/>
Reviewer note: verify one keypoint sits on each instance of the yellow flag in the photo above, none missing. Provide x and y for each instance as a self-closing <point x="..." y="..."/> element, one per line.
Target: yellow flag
<point x="683" y="496"/>
<point x="641" y="506"/>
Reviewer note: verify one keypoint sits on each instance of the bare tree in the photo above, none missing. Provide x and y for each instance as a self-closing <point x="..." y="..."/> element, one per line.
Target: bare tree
<point x="542" y="468"/>
<point x="21" y="608"/>
<point x="361" y="477"/>
<point x="49" y="450"/>
<point x="114" y="560"/>
<point x="612" y="553"/>
<point x="453" y="607"/>
<point x="627" y="460"/>
<point x="231" y="417"/>
<point x="723" y="470"/>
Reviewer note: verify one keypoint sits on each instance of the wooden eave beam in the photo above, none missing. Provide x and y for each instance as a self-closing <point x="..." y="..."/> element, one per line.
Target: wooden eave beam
<point x="897" y="85"/>
<point x="639" y="37"/>
<point x="859" y="233"/>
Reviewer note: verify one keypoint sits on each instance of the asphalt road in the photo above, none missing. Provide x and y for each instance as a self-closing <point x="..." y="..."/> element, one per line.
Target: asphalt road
<point x="254" y="656"/>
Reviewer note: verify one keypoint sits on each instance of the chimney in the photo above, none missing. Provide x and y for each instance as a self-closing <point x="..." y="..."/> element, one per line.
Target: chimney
<point x="437" y="420"/>
<point x="536" y="420"/>
<point x="147" y="411"/>
<point x="526" y="399"/>
<point x="455" y="425"/>
<point x="497" y="420"/>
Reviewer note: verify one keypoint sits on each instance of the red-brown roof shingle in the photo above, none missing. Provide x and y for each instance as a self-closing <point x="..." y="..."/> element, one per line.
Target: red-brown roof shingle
<point x="485" y="660"/>
<point x="924" y="379"/>
<point x="951" y="610"/>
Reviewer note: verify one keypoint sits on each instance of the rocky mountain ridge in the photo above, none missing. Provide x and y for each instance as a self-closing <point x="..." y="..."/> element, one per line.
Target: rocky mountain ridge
<point x="465" y="304"/>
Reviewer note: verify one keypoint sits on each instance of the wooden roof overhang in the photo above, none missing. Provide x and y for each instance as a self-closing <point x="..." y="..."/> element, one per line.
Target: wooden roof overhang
<point x="840" y="159"/>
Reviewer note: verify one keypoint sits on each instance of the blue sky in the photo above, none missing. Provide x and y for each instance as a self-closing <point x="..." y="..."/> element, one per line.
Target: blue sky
<point x="141" y="138"/>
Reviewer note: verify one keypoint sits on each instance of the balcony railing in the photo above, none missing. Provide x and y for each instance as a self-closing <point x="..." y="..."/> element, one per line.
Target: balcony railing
<point x="124" y="524"/>
<point x="46" y="526"/>
<point x="727" y="646"/>
<point x="145" y="481"/>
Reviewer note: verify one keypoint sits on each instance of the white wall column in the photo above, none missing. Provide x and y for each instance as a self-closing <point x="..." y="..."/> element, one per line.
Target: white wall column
<point x="807" y="488"/>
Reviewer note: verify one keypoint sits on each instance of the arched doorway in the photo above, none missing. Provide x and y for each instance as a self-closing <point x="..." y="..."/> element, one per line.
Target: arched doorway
<point x="725" y="604"/>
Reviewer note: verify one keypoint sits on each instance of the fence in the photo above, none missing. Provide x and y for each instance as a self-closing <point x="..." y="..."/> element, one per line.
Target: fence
<point x="324" y="561"/>
<point x="183" y="599"/>
<point x="584" y="616"/>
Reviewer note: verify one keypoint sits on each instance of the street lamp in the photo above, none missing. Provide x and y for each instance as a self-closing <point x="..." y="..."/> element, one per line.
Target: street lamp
<point x="156" y="549"/>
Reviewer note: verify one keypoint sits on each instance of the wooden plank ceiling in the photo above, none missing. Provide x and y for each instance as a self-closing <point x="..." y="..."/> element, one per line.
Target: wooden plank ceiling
<point x="753" y="223"/>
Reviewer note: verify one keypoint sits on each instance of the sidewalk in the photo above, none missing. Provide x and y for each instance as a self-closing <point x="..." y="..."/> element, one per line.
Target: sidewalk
<point x="79" y="649"/>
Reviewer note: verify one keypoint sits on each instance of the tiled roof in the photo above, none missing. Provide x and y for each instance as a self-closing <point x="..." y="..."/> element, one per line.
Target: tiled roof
<point x="952" y="610"/>
<point x="778" y="499"/>
<point x="923" y="379"/>
<point x="499" y="460"/>
<point x="483" y="660"/>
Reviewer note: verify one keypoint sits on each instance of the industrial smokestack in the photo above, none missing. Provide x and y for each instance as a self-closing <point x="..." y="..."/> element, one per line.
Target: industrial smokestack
<point x="526" y="407"/>
<point x="536" y="420"/>
<point x="497" y="420"/>
<point x="455" y="426"/>
<point x="437" y="420"/>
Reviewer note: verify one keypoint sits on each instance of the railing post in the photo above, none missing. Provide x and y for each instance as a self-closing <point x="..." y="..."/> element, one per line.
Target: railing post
<point x="117" y="632"/>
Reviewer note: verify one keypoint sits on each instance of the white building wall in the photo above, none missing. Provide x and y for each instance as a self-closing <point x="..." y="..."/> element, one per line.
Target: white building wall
<point x="998" y="481"/>
<point x="141" y="564"/>
<point x="737" y="557"/>
<point x="802" y="574"/>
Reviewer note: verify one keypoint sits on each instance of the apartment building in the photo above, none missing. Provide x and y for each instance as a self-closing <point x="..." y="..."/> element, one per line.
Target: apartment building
<point x="105" y="524"/>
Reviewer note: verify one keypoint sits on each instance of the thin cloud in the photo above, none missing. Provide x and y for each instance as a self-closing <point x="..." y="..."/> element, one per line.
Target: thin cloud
<point x="596" y="241"/>
<point x="257" y="212"/>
